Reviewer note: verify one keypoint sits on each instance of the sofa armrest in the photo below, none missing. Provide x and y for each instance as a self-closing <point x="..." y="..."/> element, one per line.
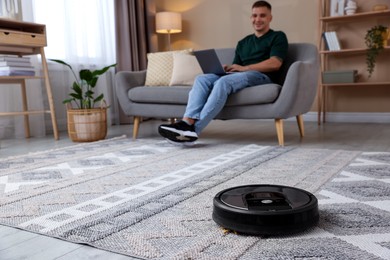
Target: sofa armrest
<point x="299" y="89"/>
<point x="124" y="81"/>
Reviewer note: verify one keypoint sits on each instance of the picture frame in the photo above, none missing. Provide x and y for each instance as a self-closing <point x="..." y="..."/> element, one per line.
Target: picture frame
<point x="341" y="7"/>
<point x="333" y="8"/>
<point x="337" y="7"/>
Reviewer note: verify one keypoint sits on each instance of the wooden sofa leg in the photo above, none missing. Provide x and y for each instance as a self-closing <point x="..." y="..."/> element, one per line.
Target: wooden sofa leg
<point x="279" y="131"/>
<point x="137" y="120"/>
<point x="301" y="125"/>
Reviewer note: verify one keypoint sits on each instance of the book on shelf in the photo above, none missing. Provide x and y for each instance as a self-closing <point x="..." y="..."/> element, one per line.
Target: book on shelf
<point x="5" y="68"/>
<point x="17" y="71"/>
<point x="14" y="64"/>
<point x="331" y="40"/>
<point x="11" y="65"/>
<point x="326" y="42"/>
<point x="14" y="58"/>
<point x="335" y="40"/>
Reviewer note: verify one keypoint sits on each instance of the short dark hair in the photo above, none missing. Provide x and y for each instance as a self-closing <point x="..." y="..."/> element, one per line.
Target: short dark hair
<point x="262" y="4"/>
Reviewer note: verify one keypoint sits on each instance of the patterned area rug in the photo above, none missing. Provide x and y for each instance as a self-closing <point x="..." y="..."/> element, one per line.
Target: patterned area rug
<point x="150" y="200"/>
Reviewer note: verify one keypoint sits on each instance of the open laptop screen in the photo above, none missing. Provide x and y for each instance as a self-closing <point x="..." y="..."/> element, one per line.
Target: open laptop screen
<point x="209" y="61"/>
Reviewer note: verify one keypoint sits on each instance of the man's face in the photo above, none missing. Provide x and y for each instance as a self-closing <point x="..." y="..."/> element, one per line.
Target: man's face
<point x="261" y="18"/>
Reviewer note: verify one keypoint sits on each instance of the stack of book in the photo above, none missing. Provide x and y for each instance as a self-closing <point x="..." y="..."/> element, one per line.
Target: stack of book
<point x="16" y="66"/>
<point x="332" y="42"/>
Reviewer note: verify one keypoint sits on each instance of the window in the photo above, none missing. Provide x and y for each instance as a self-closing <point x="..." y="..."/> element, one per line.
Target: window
<point x="78" y="31"/>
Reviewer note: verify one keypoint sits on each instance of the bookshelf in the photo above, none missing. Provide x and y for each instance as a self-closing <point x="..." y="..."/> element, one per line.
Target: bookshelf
<point x="350" y="30"/>
<point x="22" y="39"/>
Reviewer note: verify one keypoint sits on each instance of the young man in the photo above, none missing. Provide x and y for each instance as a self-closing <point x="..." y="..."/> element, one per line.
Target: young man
<point x="257" y="57"/>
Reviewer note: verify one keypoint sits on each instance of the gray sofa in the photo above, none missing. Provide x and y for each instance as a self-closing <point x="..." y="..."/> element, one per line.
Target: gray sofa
<point x="291" y="95"/>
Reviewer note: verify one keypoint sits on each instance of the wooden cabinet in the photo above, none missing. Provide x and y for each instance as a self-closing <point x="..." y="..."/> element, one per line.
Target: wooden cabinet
<point x="351" y="30"/>
<point x="21" y="39"/>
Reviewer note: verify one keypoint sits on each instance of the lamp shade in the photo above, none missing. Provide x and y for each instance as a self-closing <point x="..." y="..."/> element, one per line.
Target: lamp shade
<point x="168" y="22"/>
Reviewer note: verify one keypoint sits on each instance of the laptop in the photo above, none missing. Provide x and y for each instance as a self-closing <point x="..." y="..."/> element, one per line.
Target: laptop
<point x="209" y="61"/>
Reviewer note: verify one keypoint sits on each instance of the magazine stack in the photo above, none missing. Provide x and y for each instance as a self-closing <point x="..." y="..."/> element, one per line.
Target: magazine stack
<point x="16" y="66"/>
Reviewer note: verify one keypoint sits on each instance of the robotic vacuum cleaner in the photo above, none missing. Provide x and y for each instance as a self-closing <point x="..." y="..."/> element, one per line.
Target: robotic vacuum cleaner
<point x="265" y="209"/>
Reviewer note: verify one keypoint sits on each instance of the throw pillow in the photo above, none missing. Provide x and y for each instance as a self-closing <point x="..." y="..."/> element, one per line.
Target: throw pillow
<point x="185" y="69"/>
<point x="160" y="66"/>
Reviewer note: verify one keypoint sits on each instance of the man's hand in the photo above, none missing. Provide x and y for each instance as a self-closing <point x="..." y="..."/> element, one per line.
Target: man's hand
<point x="271" y="64"/>
<point x="235" y="68"/>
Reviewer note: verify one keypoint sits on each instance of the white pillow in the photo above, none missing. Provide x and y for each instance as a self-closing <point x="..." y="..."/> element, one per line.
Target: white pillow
<point x="185" y="69"/>
<point x="160" y="66"/>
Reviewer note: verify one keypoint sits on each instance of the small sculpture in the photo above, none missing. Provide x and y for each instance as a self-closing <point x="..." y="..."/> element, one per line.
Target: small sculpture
<point x="351" y="7"/>
<point x="379" y="7"/>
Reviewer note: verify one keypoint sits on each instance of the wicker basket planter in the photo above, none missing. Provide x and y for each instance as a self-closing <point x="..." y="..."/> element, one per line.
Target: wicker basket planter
<point x="87" y="125"/>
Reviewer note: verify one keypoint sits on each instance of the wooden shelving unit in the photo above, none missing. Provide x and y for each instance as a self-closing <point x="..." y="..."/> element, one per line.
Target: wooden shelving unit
<point x="349" y="51"/>
<point x="349" y="18"/>
<point x="21" y="39"/>
<point x="325" y="21"/>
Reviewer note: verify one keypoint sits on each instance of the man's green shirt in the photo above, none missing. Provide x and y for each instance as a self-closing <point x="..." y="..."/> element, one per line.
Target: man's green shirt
<point x="253" y="49"/>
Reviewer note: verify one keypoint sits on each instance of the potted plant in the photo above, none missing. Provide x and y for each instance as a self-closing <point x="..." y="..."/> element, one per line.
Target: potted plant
<point x="375" y="40"/>
<point x="86" y="111"/>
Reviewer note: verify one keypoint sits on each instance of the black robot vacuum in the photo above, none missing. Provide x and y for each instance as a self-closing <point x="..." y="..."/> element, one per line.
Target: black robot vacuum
<point x="265" y="210"/>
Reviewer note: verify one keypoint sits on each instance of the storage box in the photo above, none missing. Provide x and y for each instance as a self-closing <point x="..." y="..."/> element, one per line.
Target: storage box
<point x="341" y="76"/>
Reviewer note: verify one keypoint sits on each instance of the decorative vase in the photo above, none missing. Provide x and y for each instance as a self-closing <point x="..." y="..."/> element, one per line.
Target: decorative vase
<point x="379" y="7"/>
<point x="11" y="9"/>
<point x="351" y="7"/>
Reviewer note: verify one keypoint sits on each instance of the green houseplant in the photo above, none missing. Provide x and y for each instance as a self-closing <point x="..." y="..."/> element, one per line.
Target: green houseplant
<point x="83" y="94"/>
<point x="374" y="39"/>
<point x="86" y="121"/>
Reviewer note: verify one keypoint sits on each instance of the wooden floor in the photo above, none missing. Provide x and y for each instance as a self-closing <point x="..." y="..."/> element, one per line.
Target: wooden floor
<point x="17" y="244"/>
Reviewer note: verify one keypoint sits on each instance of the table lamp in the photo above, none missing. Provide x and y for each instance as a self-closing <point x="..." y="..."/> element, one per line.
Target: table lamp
<point x="168" y="22"/>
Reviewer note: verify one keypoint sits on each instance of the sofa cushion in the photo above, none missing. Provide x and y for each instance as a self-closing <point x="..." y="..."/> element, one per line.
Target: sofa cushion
<point x="255" y="95"/>
<point x="185" y="68"/>
<point x="160" y="94"/>
<point x="261" y="94"/>
<point x="159" y="69"/>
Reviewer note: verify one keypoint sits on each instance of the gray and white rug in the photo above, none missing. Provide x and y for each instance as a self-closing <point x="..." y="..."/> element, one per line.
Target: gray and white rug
<point x="151" y="200"/>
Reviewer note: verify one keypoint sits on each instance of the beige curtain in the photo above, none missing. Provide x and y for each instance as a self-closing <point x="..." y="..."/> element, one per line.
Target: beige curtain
<point x="133" y="33"/>
<point x="135" y="37"/>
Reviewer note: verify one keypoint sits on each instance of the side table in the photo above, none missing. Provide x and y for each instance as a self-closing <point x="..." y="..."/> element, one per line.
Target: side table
<point x="21" y="39"/>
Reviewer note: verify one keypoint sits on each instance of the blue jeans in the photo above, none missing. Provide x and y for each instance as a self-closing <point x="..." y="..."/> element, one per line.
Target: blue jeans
<point x="210" y="92"/>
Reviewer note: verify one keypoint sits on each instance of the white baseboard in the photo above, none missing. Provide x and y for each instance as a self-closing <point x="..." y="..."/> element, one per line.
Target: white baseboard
<point x="344" y="117"/>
